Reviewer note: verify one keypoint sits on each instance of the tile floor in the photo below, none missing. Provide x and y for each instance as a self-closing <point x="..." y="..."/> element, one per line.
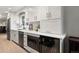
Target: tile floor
<point x="9" y="46"/>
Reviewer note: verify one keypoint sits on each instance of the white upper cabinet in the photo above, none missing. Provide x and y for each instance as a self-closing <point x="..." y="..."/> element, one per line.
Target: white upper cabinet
<point x="32" y="14"/>
<point x="49" y="12"/>
<point x="54" y="12"/>
<point x="41" y="14"/>
<point x="14" y="36"/>
<point x="37" y="13"/>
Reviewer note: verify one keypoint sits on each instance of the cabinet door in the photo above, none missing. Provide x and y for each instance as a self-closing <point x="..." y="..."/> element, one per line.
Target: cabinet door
<point x="54" y="12"/>
<point x="25" y="39"/>
<point x="14" y="36"/>
<point x="49" y="12"/>
<point x="42" y="10"/>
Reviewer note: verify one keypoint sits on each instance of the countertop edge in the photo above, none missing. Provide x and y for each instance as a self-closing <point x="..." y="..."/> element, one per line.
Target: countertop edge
<point x="45" y="34"/>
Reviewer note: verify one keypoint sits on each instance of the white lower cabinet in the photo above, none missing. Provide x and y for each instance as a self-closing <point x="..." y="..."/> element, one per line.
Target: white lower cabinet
<point x="25" y="39"/>
<point x="14" y="36"/>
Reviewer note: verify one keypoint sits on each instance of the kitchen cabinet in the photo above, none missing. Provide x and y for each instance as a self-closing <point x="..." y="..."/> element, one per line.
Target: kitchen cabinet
<point x="52" y="22"/>
<point x="25" y="39"/>
<point x="14" y="36"/>
<point x="42" y="10"/>
<point x="45" y="19"/>
<point x="49" y="12"/>
<point x="19" y="37"/>
<point x="32" y="13"/>
<point x="54" y="12"/>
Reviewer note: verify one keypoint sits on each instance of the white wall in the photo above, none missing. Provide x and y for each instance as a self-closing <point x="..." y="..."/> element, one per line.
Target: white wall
<point x="71" y="17"/>
<point x="51" y="26"/>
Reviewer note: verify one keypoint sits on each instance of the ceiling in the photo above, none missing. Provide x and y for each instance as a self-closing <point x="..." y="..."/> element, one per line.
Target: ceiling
<point x="11" y="8"/>
<point x="5" y="9"/>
